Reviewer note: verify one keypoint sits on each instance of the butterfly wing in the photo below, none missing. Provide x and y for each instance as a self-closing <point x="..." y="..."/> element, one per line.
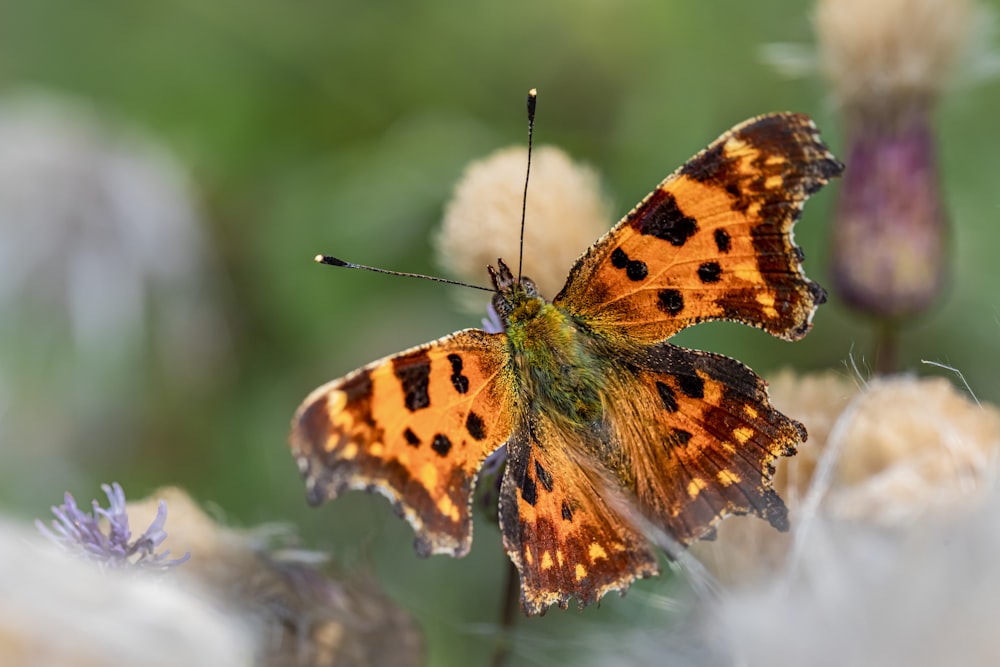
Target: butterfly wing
<point x="701" y="438"/>
<point x="688" y="438"/>
<point x="415" y="427"/>
<point x="561" y="534"/>
<point x="712" y="242"/>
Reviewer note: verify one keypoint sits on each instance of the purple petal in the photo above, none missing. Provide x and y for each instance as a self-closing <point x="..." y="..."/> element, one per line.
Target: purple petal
<point x="492" y="322"/>
<point x="78" y="531"/>
<point x="116" y="514"/>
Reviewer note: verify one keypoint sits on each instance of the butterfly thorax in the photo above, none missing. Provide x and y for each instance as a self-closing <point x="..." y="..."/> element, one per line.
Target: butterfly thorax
<point x="555" y="365"/>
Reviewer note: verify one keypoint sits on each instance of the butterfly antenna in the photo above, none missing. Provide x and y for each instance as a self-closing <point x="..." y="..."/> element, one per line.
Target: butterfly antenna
<point x="335" y="261"/>
<point x="532" y="96"/>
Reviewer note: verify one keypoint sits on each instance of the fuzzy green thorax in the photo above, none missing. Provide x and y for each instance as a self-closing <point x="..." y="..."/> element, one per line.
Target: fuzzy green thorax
<point x="555" y="362"/>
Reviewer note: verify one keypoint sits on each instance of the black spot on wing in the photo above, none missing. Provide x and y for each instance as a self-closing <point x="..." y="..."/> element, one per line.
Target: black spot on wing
<point x="722" y="240"/>
<point x="411" y="438"/>
<point x="619" y="259"/>
<point x="543" y="476"/>
<point x="635" y="269"/>
<point x="670" y="301"/>
<point x="413" y="372"/>
<point x="528" y="490"/>
<point x="667" y="396"/>
<point x="661" y="217"/>
<point x="441" y="444"/>
<point x="710" y="272"/>
<point x="567" y="513"/>
<point x="458" y="381"/>
<point x="474" y="425"/>
<point x="691" y="385"/>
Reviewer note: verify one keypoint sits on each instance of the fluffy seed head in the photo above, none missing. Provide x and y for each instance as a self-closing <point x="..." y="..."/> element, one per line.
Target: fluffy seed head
<point x="890" y="52"/>
<point x="893" y="452"/>
<point x="565" y="214"/>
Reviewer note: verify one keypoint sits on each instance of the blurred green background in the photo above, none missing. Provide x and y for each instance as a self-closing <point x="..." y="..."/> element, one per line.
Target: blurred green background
<point x="341" y="128"/>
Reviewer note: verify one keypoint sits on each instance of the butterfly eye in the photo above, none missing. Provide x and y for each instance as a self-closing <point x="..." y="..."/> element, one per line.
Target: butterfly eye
<point x="529" y="286"/>
<point x="502" y="306"/>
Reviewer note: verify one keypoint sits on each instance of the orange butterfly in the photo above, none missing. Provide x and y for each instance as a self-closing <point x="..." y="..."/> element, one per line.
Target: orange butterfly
<point x="585" y="390"/>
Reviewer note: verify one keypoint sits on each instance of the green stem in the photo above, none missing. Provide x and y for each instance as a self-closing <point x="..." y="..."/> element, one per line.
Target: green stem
<point x="508" y="615"/>
<point x="887" y="349"/>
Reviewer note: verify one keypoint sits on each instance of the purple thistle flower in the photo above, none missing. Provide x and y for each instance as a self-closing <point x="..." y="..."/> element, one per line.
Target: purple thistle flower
<point x="890" y="230"/>
<point x="81" y="533"/>
<point x="492" y="322"/>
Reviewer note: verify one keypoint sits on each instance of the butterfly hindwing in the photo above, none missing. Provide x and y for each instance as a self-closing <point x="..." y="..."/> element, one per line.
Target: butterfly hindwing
<point x="564" y="539"/>
<point x="712" y="242"/>
<point x="688" y="438"/>
<point x="701" y="437"/>
<point x="415" y="427"/>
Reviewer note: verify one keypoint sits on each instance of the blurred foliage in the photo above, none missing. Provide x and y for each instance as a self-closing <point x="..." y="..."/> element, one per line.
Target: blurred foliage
<point x="340" y="127"/>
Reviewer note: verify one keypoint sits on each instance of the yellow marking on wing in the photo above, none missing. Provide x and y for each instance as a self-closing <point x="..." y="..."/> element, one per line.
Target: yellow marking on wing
<point x="695" y="486"/>
<point x="728" y="477"/>
<point x="528" y="557"/>
<point x="713" y="390"/>
<point x="447" y="508"/>
<point x="581" y="572"/>
<point x="773" y="182"/>
<point x="597" y="551"/>
<point x="559" y="557"/>
<point x="767" y="301"/>
<point x="546" y="560"/>
<point x="743" y="434"/>
<point x="336" y="401"/>
<point x="734" y="145"/>
<point x="376" y="448"/>
<point x="750" y="411"/>
<point x="428" y="476"/>
<point x="350" y="451"/>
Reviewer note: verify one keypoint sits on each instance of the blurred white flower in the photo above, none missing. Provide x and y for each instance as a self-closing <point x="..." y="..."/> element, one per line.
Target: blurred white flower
<point x="56" y="609"/>
<point x="301" y="612"/>
<point x="105" y="272"/>
<point x="93" y="222"/>
<point x="566" y="212"/>
<point x="892" y="556"/>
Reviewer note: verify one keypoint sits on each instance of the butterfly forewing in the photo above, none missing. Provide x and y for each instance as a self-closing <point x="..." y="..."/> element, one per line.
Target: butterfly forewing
<point x="712" y="242"/>
<point x="415" y="427"/>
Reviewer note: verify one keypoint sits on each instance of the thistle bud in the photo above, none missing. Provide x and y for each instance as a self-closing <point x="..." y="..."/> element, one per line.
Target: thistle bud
<point x="887" y="63"/>
<point x="890" y="227"/>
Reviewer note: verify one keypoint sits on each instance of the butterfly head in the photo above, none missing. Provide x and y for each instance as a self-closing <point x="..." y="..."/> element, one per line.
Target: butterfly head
<point x="513" y="296"/>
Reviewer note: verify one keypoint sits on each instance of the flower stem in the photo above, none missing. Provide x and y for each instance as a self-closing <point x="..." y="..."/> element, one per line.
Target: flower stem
<point x="508" y="615"/>
<point x="887" y="348"/>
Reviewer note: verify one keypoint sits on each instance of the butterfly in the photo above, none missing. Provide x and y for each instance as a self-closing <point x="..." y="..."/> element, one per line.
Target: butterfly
<point x="586" y="392"/>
